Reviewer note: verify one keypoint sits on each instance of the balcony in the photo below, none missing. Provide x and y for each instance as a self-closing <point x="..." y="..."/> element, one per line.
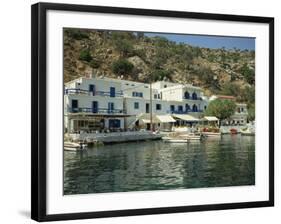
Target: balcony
<point x="194" y="98"/>
<point x="90" y="93"/>
<point x="183" y="112"/>
<point x="95" y="111"/>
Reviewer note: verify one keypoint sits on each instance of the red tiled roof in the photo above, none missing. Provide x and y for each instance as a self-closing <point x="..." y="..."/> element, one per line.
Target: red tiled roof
<point x="226" y="97"/>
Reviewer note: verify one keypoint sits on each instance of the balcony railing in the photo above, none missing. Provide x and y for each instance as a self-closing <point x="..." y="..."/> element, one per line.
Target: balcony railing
<point x="194" y="98"/>
<point x="93" y="93"/>
<point x="183" y="112"/>
<point x="95" y="110"/>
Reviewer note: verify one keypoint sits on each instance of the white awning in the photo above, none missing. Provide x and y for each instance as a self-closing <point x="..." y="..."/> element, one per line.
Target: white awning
<point x="185" y="117"/>
<point x="210" y="118"/>
<point x="146" y="121"/>
<point x="165" y="118"/>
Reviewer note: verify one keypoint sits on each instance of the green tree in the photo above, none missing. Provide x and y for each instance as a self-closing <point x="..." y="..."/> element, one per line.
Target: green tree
<point x="248" y="95"/>
<point x="76" y="34"/>
<point x="251" y="113"/>
<point x="160" y="74"/>
<point x="122" y="67"/>
<point x="231" y="89"/>
<point x="85" y="55"/>
<point x="222" y="109"/>
<point x="124" y="46"/>
<point x="248" y="73"/>
<point x="95" y="63"/>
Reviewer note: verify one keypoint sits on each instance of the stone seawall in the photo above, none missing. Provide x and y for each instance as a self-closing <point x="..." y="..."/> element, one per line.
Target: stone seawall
<point x="114" y="137"/>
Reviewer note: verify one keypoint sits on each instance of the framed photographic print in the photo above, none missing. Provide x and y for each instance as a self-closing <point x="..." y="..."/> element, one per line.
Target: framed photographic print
<point x="139" y="111"/>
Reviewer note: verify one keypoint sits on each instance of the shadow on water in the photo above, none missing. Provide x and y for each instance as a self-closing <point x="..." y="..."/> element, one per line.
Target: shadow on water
<point x="155" y="165"/>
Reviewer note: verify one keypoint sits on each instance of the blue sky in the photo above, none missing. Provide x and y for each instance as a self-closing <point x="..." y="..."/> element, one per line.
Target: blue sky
<point x="210" y="41"/>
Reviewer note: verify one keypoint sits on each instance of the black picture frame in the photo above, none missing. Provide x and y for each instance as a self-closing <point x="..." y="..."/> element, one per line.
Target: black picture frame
<point x="39" y="107"/>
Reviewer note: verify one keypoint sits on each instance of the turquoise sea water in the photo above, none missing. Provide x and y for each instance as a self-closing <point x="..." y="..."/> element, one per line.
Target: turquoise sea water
<point x="156" y="165"/>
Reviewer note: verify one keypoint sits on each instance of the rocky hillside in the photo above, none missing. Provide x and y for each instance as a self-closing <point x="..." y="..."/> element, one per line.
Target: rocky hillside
<point x="134" y="56"/>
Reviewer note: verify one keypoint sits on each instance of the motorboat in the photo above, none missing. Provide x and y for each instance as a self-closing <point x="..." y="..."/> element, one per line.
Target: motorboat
<point x="73" y="146"/>
<point x="211" y="132"/>
<point x="233" y="131"/>
<point x="247" y="132"/>
<point x="183" y="138"/>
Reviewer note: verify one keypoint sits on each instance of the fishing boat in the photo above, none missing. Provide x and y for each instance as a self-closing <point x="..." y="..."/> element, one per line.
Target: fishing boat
<point x="211" y="132"/>
<point x="183" y="138"/>
<point x="233" y="131"/>
<point x="73" y="146"/>
<point x="248" y="132"/>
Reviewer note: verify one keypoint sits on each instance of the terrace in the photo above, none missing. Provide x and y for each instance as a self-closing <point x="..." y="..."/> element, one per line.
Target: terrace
<point x="95" y="110"/>
<point x="92" y="93"/>
<point x="183" y="112"/>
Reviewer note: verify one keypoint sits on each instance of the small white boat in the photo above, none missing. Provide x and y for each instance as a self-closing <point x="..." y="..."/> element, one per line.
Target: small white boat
<point x="211" y="134"/>
<point x="184" y="138"/>
<point x="247" y="132"/>
<point x="191" y="136"/>
<point x="72" y="146"/>
<point x="175" y="140"/>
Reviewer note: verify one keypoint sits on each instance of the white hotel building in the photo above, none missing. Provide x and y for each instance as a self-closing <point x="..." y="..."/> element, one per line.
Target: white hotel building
<point x="92" y="104"/>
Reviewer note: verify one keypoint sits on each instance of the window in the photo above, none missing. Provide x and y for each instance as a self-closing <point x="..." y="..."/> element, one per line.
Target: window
<point x="137" y="94"/>
<point x="180" y="108"/>
<point x="158" y="106"/>
<point x="147" y="108"/>
<point x="172" y="108"/>
<point x="194" y="108"/>
<point x="112" y="91"/>
<point x="95" y="107"/>
<point x="187" y="107"/>
<point x="165" y="86"/>
<point x="110" y="107"/>
<point x="114" y="123"/>
<point x="136" y="105"/>
<point x="155" y="96"/>
<point x="74" y="106"/>
<point x="92" y="89"/>
<point x="194" y="96"/>
<point x="186" y="95"/>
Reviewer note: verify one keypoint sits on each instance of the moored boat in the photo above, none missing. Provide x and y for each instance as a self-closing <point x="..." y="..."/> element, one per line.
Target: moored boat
<point x="211" y="132"/>
<point x="183" y="138"/>
<point x="73" y="146"/>
<point x="233" y="131"/>
<point x="247" y="132"/>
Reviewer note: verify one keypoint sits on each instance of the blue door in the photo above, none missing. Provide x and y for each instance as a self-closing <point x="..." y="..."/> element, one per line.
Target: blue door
<point x="194" y="96"/>
<point x="187" y="107"/>
<point x="112" y="91"/>
<point x="180" y="109"/>
<point x="110" y="107"/>
<point x="74" y="106"/>
<point x="95" y="107"/>
<point x="92" y="89"/>
<point x="194" y="108"/>
<point x="114" y="123"/>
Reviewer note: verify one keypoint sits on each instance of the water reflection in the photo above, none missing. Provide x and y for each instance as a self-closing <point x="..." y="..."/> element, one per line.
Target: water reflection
<point x="155" y="165"/>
